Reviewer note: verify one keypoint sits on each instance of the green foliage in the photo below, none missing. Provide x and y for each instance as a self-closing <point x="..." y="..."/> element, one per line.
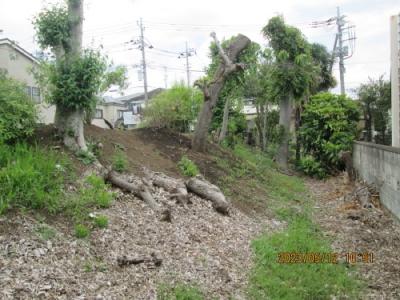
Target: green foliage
<point x="30" y="177"/>
<point x="273" y="280"/>
<point x="188" y="167"/>
<point x="73" y="82"/>
<point x="120" y="161"/>
<point x="118" y="76"/>
<point x="86" y="157"/>
<point x="175" y="108"/>
<point x="52" y="27"/>
<point x="375" y="99"/>
<point x="329" y="126"/>
<point x="93" y="193"/>
<point x="101" y="221"/>
<point x="18" y="114"/>
<point x="323" y="80"/>
<point x="81" y="231"/>
<point x="309" y="166"/>
<point x="179" y="292"/>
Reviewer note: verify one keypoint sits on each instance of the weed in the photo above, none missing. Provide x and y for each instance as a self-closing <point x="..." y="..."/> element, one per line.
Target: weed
<point x="81" y="231"/>
<point x="178" y="292"/>
<point x="119" y="161"/>
<point x="88" y="267"/>
<point x="30" y="177"/>
<point x="86" y="157"/>
<point x="101" y="221"/>
<point x="188" y="167"/>
<point x="45" y="232"/>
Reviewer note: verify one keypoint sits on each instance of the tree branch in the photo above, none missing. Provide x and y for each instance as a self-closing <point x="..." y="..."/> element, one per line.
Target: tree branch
<point x="221" y="51"/>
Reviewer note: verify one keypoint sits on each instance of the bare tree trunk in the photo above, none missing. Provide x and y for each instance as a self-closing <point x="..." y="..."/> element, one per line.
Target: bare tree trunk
<point x="212" y="89"/>
<point x="285" y="114"/>
<point x="264" y="128"/>
<point x="297" y="129"/>
<point x="225" y="120"/>
<point x="258" y="125"/>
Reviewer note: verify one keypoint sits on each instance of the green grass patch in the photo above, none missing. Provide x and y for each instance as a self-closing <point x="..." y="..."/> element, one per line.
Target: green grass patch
<point x="273" y="280"/>
<point x="187" y="167"/>
<point x="31" y="177"/>
<point x="119" y="161"/>
<point x="179" y="292"/>
<point x="100" y="221"/>
<point x="46" y="232"/>
<point x="81" y="231"/>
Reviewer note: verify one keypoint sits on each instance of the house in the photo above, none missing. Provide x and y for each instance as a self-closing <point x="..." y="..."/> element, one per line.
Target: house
<point x="123" y="111"/>
<point x="18" y="63"/>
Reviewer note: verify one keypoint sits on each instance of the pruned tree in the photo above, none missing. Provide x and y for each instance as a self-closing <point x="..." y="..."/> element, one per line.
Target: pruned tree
<point x="73" y="81"/>
<point x="212" y="88"/>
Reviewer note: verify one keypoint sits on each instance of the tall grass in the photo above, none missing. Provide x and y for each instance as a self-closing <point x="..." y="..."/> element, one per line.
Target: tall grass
<point x="30" y="177"/>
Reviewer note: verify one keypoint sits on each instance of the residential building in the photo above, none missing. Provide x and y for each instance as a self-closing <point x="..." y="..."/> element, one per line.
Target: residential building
<point x="395" y="77"/>
<point x="18" y="64"/>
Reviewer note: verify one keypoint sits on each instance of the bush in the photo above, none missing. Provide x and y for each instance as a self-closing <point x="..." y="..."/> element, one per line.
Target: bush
<point x="18" y="114"/>
<point x="175" y="108"/>
<point x="187" y="167"/>
<point x="309" y="166"/>
<point x="120" y="161"/>
<point x="329" y="125"/>
<point x="30" y="177"/>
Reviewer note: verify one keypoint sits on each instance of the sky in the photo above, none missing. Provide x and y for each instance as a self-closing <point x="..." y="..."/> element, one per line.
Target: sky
<point x="111" y="25"/>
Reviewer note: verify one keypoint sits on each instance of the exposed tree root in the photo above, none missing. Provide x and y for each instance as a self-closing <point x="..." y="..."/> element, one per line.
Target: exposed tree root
<point x="126" y="261"/>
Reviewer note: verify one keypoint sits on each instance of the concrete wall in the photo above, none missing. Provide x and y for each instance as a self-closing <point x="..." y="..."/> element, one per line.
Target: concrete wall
<point x="380" y="165"/>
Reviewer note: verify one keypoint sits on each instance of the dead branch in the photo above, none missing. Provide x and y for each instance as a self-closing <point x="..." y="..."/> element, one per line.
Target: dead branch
<point x="207" y="190"/>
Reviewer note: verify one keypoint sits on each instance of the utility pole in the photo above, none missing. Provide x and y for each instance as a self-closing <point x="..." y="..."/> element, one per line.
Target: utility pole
<point x="188" y="52"/>
<point x="142" y="46"/>
<point x="166" y="77"/>
<point x="339" y="22"/>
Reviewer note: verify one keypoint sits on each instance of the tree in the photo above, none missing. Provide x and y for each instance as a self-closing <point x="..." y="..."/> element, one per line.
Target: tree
<point x="291" y="74"/>
<point x="212" y="87"/>
<point x="73" y="81"/>
<point x="175" y="108"/>
<point x="375" y="99"/>
<point x="329" y="127"/>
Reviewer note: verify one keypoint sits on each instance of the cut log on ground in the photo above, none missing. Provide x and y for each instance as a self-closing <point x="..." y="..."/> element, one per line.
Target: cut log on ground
<point x="176" y="187"/>
<point x="139" y="189"/>
<point x="126" y="261"/>
<point x="207" y="190"/>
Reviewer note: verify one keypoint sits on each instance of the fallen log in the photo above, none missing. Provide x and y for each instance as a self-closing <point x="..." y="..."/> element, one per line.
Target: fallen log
<point x="207" y="190"/>
<point x="139" y="189"/>
<point x="126" y="261"/>
<point x="176" y="187"/>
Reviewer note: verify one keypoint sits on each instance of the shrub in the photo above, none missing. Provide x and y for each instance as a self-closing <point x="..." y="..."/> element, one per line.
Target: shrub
<point x="86" y="157"/>
<point x="175" y="108"/>
<point x="120" y="161"/>
<point x="81" y="231"/>
<point x="101" y="221"/>
<point x="187" y="167"/>
<point x="18" y="114"/>
<point x="329" y="125"/>
<point x="309" y="166"/>
<point x="30" y="177"/>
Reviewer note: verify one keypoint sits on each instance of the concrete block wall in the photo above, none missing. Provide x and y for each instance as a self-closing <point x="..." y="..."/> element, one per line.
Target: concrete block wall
<point x="380" y="165"/>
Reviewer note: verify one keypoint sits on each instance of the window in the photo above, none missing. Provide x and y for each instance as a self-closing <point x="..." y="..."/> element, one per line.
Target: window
<point x="28" y="91"/>
<point x="98" y="114"/>
<point x="120" y="113"/>
<point x="36" y="95"/>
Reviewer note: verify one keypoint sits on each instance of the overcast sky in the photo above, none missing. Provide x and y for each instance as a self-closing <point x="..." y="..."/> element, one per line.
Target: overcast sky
<point x="169" y="24"/>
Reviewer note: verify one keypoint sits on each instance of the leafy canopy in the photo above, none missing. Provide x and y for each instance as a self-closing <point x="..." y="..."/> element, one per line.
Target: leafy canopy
<point x="18" y="114"/>
<point x="329" y="126"/>
<point x="175" y="108"/>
